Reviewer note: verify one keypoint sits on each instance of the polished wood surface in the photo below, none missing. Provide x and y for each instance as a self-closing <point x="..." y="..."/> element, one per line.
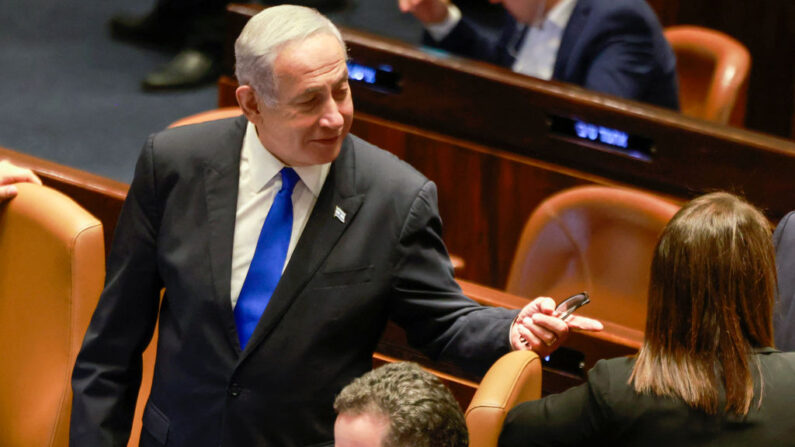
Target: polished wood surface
<point x="512" y="113"/>
<point x="498" y="109"/>
<point x="485" y="196"/>
<point x="764" y="27"/>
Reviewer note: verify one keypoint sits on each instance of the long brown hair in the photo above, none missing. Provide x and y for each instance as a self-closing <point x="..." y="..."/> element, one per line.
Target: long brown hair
<point x="711" y="294"/>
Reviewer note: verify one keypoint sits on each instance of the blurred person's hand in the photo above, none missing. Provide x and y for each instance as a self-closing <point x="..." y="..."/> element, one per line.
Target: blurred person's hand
<point x="10" y="175"/>
<point x="426" y="11"/>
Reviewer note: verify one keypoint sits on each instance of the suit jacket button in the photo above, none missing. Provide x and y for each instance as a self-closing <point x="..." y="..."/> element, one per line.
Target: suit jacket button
<point x="234" y="390"/>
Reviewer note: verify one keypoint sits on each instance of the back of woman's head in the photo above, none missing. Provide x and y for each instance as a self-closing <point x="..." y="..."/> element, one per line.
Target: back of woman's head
<point x="713" y="285"/>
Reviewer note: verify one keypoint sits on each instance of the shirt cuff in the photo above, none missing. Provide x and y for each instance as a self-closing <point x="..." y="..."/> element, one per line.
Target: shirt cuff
<point x="439" y="31"/>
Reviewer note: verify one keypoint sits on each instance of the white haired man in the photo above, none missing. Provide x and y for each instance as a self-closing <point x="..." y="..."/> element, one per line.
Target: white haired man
<point x="284" y="244"/>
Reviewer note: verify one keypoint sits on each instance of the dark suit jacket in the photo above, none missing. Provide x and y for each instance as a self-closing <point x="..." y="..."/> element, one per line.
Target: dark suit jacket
<point x="607" y="411"/>
<point x="784" y="312"/>
<point x="609" y="46"/>
<point x="344" y="279"/>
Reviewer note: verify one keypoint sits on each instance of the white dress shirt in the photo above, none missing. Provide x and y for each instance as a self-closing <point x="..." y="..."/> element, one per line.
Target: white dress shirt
<point x="257" y="186"/>
<point x="538" y="53"/>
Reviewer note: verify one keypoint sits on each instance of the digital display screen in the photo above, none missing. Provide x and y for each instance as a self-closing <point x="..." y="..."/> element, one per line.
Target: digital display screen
<point x="602" y="134"/>
<point x="625" y="143"/>
<point x="362" y="73"/>
<point x="381" y="78"/>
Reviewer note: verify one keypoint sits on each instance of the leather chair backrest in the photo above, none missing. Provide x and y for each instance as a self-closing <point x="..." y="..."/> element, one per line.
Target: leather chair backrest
<point x="147" y="374"/>
<point x="713" y="73"/>
<point x="52" y="268"/>
<point x="597" y="239"/>
<point x="514" y="378"/>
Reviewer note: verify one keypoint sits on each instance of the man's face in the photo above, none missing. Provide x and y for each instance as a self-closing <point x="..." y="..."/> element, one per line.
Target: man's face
<point x="360" y="430"/>
<point x="314" y="109"/>
<point x="526" y="11"/>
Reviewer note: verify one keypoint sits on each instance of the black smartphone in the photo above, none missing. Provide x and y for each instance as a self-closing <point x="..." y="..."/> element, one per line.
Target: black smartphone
<point x="572" y="303"/>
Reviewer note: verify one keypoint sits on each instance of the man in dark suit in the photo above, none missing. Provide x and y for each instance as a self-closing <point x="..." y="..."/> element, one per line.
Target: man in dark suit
<point x="609" y="46"/>
<point x="784" y="312"/>
<point x="245" y="359"/>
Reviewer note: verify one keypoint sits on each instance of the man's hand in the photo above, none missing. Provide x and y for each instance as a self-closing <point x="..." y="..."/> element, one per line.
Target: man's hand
<point x="426" y="11"/>
<point x="9" y="175"/>
<point x="538" y="328"/>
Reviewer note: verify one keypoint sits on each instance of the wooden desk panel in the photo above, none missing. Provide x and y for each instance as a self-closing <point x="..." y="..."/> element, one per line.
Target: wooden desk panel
<point x="498" y="109"/>
<point x="512" y="113"/>
<point x="485" y="196"/>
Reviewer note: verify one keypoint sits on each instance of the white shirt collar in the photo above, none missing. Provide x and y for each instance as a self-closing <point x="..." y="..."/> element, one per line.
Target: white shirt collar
<point x="264" y="166"/>
<point x="560" y="13"/>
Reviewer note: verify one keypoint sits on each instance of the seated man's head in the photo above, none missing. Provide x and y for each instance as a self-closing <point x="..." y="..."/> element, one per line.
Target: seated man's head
<point x="398" y="405"/>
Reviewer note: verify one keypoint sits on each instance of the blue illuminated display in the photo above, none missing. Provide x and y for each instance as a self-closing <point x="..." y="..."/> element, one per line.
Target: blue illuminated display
<point x="639" y="147"/>
<point x="361" y="73"/>
<point x="602" y="134"/>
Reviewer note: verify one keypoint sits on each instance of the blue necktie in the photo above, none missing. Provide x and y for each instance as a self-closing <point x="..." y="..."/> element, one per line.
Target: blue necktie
<point x="266" y="266"/>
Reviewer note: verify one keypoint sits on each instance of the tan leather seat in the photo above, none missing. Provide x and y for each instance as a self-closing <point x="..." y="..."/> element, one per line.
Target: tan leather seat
<point x="596" y="239"/>
<point x="514" y="378"/>
<point x="713" y="73"/>
<point x="52" y="268"/>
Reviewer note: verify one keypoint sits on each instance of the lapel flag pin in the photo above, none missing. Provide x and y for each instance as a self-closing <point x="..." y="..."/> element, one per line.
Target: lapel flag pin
<point x="339" y="214"/>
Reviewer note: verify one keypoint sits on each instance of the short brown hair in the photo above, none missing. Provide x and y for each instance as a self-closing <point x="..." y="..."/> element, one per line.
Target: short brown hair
<point x="421" y="410"/>
<point x="711" y="294"/>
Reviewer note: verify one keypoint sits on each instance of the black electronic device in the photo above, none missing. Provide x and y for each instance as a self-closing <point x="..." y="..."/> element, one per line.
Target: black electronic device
<point x="603" y="137"/>
<point x="381" y="78"/>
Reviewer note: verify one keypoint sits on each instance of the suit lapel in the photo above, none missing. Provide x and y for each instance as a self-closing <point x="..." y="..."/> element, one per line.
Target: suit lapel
<point x="221" y="179"/>
<point x="322" y="231"/>
<point x="577" y="22"/>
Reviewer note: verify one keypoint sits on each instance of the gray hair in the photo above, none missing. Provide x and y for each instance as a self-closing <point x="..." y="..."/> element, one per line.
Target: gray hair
<point x="421" y="410"/>
<point x="263" y="38"/>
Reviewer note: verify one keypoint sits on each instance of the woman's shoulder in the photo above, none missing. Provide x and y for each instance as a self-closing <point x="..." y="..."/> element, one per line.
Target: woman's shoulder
<point x="608" y="381"/>
<point x="774" y="361"/>
<point x="612" y="370"/>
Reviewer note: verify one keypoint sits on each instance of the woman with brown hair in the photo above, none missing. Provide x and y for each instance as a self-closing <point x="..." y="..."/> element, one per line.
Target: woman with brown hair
<point x="706" y="373"/>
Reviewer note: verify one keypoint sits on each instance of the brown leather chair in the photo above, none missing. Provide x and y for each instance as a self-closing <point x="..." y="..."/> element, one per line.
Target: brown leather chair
<point x="592" y="238"/>
<point x="713" y="73"/>
<point x="52" y="268"/>
<point x="514" y="378"/>
<point x="147" y="372"/>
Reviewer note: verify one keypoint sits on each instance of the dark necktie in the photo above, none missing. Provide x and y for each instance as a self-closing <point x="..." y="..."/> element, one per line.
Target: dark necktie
<point x="268" y="261"/>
